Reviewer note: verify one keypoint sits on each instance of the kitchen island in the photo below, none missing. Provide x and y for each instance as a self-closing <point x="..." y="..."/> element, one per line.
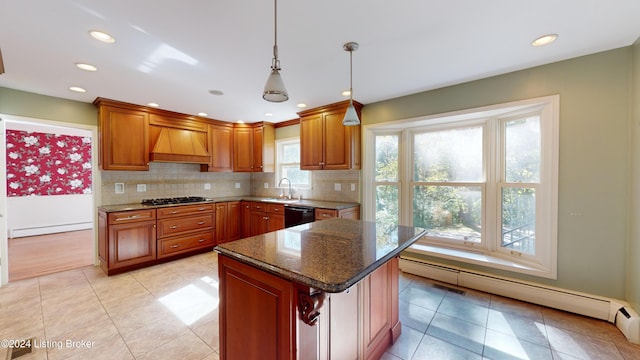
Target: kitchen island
<point x="324" y="290"/>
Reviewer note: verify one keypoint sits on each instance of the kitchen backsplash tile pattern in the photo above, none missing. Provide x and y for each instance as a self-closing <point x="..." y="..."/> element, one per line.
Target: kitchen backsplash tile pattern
<point x="323" y="186"/>
<point x="171" y="180"/>
<point x="174" y="179"/>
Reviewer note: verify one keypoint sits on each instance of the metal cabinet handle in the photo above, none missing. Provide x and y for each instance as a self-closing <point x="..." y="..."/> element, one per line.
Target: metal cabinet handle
<point x="174" y="212"/>
<point x="173" y="227"/>
<point x="202" y="209"/>
<point x="265" y="218"/>
<point x="201" y="223"/>
<point x="201" y="240"/>
<point x="132" y="217"/>
<point x="175" y="246"/>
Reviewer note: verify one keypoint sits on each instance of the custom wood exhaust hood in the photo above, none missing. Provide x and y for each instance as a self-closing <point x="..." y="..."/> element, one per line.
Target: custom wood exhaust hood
<point x="178" y="145"/>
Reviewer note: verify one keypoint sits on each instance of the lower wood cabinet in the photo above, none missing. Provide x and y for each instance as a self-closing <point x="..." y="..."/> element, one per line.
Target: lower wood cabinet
<point x="137" y="238"/>
<point x="228" y="221"/>
<point x="265" y="217"/>
<point x="126" y="239"/>
<point x="260" y="316"/>
<point x="348" y="213"/>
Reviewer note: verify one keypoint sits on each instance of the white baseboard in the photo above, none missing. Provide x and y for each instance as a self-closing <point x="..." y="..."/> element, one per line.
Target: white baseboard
<point x="53" y="229"/>
<point x="598" y="307"/>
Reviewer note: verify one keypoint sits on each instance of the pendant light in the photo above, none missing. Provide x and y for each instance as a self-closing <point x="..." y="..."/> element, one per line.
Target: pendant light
<point x="274" y="90"/>
<point x="351" y="116"/>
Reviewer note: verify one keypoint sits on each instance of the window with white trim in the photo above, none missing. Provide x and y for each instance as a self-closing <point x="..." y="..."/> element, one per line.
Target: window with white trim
<point x="482" y="182"/>
<point x="288" y="164"/>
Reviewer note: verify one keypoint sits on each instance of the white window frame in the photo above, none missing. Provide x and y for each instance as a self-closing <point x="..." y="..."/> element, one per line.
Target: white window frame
<point x="278" y="173"/>
<point x="489" y="253"/>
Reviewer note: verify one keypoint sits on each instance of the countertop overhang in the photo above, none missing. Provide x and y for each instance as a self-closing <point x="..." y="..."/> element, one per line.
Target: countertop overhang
<point x="330" y="255"/>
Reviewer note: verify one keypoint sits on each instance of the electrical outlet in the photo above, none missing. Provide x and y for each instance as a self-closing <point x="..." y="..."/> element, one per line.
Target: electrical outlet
<point x="119" y="188"/>
<point x="237" y="185"/>
<point x="337" y="187"/>
<point x="207" y="186"/>
<point x="353" y="187"/>
<point x="141" y="187"/>
<point x="266" y="185"/>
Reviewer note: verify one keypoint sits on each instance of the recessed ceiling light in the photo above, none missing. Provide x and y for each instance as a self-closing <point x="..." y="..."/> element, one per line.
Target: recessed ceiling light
<point x="203" y="114"/>
<point x="77" y="89"/>
<point x="87" y="67"/>
<point x="544" y="40"/>
<point x="268" y="114"/>
<point x="152" y="104"/>
<point x="302" y="105"/>
<point x="102" y="36"/>
<point x="346" y="93"/>
<point x="216" y="92"/>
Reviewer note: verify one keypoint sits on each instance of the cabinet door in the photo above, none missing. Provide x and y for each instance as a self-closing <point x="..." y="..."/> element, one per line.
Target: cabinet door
<point x="242" y="149"/>
<point x="132" y="243"/>
<point x="337" y="142"/>
<point x="275" y="222"/>
<point x="245" y="223"/>
<point x="234" y="230"/>
<point x="221" y="148"/>
<point x="322" y="214"/>
<point x="124" y="139"/>
<point x="258" y="139"/>
<point x="256" y="314"/>
<point x="258" y="221"/>
<point x="222" y="234"/>
<point x="311" y="142"/>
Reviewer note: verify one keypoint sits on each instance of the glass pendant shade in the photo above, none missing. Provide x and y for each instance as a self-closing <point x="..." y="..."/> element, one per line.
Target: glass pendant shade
<point x="274" y="89"/>
<point x="351" y="116"/>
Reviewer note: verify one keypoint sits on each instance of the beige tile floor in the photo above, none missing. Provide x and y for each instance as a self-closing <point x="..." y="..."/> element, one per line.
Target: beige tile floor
<point x="169" y="311"/>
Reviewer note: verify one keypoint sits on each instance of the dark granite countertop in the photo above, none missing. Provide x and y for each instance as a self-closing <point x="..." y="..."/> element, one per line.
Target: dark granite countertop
<point x="334" y="205"/>
<point x="329" y="255"/>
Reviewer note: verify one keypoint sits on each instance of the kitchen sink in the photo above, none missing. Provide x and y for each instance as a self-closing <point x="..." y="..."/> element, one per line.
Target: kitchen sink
<point x="283" y="201"/>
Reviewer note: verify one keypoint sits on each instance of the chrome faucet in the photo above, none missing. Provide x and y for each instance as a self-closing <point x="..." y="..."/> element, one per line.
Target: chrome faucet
<point x="290" y="193"/>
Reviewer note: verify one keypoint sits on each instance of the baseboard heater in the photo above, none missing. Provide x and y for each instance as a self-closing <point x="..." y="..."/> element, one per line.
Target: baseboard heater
<point x="50" y="229"/>
<point x="615" y="311"/>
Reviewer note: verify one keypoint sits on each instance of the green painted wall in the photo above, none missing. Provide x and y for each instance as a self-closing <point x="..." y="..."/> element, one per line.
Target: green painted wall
<point x="21" y="103"/>
<point x="633" y="251"/>
<point x="594" y="155"/>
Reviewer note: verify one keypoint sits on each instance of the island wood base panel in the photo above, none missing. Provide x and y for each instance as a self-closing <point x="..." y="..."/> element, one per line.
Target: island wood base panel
<point x="263" y="316"/>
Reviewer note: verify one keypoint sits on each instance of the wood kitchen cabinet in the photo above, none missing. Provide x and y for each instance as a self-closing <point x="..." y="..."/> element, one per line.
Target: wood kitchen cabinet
<point x="245" y="222"/>
<point x="254" y="147"/>
<point x="228" y="221"/>
<point x="326" y="144"/>
<point x="266" y="218"/>
<point x="220" y="148"/>
<point x="347" y="213"/>
<point x="126" y="239"/>
<point x="184" y="229"/>
<point x="123" y="136"/>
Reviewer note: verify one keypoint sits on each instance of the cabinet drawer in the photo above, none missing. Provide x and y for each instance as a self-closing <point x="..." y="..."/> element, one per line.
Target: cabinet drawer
<point x="322" y="214"/>
<point x="275" y="208"/>
<point x="183" y="210"/>
<point x="131" y="216"/>
<point x="174" y="226"/>
<point x="174" y="246"/>
<point x="260" y="206"/>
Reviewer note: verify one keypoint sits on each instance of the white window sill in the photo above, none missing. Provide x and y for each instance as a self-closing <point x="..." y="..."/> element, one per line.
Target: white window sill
<point x="481" y="258"/>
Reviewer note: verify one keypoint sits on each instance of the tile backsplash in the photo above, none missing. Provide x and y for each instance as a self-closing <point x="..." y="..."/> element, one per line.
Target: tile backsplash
<point x="173" y="180"/>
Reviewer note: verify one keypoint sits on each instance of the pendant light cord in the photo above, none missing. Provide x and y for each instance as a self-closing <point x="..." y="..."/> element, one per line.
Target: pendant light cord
<point x="351" y="76"/>
<point x="276" y="62"/>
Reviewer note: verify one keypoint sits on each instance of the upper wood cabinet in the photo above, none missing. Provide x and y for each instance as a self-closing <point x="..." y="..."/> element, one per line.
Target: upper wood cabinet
<point x="254" y="147"/>
<point x="123" y="136"/>
<point x="220" y="148"/>
<point x="326" y="144"/>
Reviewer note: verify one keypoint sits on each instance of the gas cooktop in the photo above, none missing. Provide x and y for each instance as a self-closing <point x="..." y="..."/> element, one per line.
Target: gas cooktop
<point x="174" y="200"/>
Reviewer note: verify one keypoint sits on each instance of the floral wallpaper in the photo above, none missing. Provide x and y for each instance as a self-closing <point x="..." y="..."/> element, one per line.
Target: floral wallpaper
<point x="47" y="164"/>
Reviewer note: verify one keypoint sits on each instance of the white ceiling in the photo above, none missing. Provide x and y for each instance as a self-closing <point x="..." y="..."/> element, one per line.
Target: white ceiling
<point x="174" y="52"/>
